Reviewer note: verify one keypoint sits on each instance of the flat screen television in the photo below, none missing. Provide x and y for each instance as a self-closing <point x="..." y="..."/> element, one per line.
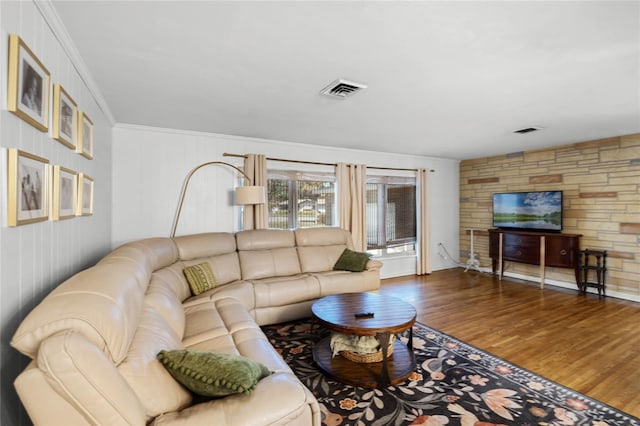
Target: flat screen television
<point x="529" y="211"/>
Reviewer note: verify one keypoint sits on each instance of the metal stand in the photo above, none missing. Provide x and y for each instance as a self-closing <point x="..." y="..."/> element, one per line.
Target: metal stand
<point x="472" y="262"/>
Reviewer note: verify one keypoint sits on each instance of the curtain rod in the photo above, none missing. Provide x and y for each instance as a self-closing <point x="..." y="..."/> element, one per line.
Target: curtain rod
<point x="226" y="154"/>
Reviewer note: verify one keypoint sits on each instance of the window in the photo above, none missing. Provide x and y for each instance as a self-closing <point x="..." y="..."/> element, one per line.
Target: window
<point x="391" y="214"/>
<point x="299" y="199"/>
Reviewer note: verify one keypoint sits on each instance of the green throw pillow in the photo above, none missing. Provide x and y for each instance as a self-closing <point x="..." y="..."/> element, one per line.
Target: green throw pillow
<point x="352" y="261"/>
<point x="212" y="374"/>
<point x="200" y="278"/>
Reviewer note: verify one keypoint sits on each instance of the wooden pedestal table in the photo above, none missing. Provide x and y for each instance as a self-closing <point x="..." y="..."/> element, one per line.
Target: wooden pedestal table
<point x="366" y="314"/>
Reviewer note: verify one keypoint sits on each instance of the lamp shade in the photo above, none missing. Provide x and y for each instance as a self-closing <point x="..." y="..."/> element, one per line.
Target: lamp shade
<point x="252" y="194"/>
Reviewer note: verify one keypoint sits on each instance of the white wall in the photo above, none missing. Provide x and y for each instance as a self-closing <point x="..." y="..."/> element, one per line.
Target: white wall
<point x="150" y="165"/>
<point x="34" y="258"/>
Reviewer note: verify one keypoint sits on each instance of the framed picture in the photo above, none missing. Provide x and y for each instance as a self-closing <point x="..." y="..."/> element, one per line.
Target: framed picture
<point x="65" y="193"/>
<point x="85" y="136"/>
<point x="85" y="195"/>
<point x="28" y="85"/>
<point x="28" y="191"/>
<point x="65" y="117"/>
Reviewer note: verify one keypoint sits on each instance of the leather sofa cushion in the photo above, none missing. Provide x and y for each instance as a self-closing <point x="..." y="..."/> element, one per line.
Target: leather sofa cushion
<point x="320" y="248"/>
<point x="323" y="237"/>
<point x="319" y="258"/>
<point x="240" y="290"/>
<point x="279" y="314"/>
<point x="107" y="305"/>
<point x="156" y="252"/>
<point x="138" y="260"/>
<point x="333" y="282"/>
<point x="156" y="389"/>
<point x="88" y="380"/>
<point x="225" y="267"/>
<point x="213" y="319"/>
<point x="200" y="246"/>
<point x="161" y="251"/>
<point x="279" y="399"/>
<point x="278" y="262"/>
<point x="264" y="239"/>
<point x="285" y="290"/>
<point x="173" y="279"/>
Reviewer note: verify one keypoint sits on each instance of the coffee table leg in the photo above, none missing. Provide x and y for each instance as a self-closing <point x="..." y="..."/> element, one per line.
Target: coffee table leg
<point x="410" y="342"/>
<point x="313" y="323"/>
<point x="383" y="338"/>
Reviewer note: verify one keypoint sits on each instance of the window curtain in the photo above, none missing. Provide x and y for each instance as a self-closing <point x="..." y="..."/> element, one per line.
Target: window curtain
<point x="424" y="256"/>
<point x="256" y="216"/>
<point x="352" y="198"/>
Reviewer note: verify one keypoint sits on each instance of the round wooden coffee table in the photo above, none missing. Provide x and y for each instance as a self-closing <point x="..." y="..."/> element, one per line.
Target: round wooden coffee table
<point x="343" y="313"/>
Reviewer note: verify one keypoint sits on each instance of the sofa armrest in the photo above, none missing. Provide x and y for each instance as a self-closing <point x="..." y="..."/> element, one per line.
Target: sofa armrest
<point x="373" y="265"/>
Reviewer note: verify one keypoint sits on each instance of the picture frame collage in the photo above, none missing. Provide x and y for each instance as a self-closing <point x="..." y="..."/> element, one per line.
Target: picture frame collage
<point x="38" y="191"/>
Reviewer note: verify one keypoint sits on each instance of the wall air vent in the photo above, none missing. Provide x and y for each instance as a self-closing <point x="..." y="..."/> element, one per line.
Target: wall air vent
<point x="527" y="130"/>
<point x="340" y="89"/>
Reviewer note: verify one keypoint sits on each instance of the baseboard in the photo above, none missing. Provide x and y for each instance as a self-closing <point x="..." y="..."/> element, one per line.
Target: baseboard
<point x="568" y="285"/>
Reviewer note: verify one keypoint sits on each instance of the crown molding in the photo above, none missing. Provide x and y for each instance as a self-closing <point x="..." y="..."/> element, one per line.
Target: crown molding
<point x="51" y="17"/>
<point x="409" y="157"/>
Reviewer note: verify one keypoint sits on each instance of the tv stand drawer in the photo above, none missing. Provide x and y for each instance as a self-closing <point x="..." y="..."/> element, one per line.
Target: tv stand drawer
<point x="522" y="254"/>
<point x="525" y="242"/>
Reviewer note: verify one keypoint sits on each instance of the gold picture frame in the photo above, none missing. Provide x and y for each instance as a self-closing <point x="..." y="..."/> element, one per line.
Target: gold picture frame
<point x="85" y="195"/>
<point x="28" y="85"/>
<point x="28" y="188"/>
<point x="65" y="193"/>
<point x="85" y="136"/>
<point x="65" y="117"/>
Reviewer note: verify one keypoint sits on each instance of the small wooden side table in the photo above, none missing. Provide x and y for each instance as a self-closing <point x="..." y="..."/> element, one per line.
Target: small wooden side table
<point x="597" y="270"/>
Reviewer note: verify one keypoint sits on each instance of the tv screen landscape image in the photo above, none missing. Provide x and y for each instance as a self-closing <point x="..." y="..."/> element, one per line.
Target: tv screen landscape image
<point x="536" y="210"/>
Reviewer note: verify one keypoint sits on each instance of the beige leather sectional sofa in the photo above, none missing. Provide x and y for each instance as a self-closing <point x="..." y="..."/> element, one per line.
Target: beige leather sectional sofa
<point x="94" y="339"/>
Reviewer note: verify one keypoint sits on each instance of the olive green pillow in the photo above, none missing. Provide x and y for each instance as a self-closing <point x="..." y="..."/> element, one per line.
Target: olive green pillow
<point x="200" y="278"/>
<point x="352" y="261"/>
<point x="213" y="374"/>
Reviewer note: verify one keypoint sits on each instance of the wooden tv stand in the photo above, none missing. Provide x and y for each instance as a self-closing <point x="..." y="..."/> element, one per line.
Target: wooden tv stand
<point x="535" y="248"/>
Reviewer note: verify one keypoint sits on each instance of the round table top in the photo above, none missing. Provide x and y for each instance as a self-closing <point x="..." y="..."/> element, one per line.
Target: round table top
<point x="338" y="312"/>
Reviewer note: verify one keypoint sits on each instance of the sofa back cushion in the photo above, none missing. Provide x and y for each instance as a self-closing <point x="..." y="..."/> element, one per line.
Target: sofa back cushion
<point x="164" y="294"/>
<point x="320" y="248"/>
<point x="144" y="257"/>
<point x="218" y="249"/>
<point x="103" y="303"/>
<point x="198" y="246"/>
<point x="225" y="267"/>
<point x="149" y="254"/>
<point x="325" y="236"/>
<point x="266" y="253"/>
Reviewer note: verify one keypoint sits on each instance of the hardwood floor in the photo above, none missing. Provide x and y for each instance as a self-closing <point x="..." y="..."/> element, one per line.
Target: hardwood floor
<point x="588" y="344"/>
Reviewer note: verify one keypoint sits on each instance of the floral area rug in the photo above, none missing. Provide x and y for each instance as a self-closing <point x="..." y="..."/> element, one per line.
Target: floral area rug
<point x="453" y="384"/>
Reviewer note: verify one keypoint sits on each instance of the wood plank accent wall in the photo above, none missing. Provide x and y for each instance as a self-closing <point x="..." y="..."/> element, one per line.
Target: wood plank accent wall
<point x="600" y="181"/>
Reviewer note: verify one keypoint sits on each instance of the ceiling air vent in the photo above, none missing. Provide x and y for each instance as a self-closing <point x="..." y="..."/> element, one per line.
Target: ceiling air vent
<point x="340" y="89"/>
<point x="527" y="130"/>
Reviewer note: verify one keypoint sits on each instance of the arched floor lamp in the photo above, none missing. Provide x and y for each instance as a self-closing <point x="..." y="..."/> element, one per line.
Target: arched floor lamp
<point x="245" y="195"/>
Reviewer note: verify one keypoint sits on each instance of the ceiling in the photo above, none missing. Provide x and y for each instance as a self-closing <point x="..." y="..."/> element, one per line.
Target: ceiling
<point x="445" y="79"/>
